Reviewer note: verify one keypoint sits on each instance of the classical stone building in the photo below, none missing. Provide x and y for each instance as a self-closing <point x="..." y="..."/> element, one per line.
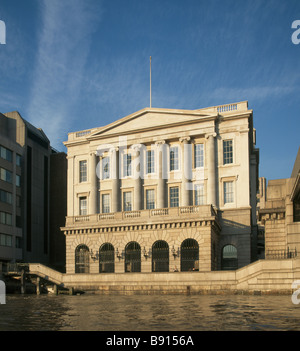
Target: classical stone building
<point x="279" y="213"/>
<point x="163" y="190"/>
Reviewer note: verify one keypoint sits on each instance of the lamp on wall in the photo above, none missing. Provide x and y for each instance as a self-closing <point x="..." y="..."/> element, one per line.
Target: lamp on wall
<point x="94" y="256"/>
<point x="147" y="254"/>
<point x="119" y="255"/>
<point x="175" y="253"/>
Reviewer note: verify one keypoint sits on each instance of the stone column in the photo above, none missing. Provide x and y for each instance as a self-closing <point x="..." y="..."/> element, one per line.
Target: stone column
<point x="115" y="196"/>
<point x="136" y="173"/>
<point x="93" y="184"/>
<point x="160" y="202"/>
<point x="186" y="169"/>
<point x="211" y="164"/>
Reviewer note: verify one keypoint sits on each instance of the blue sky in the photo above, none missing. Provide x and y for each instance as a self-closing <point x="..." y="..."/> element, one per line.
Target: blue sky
<point x="69" y="65"/>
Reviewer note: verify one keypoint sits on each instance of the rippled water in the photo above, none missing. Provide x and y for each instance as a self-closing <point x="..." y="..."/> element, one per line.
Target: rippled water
<point x="148" y="313"/>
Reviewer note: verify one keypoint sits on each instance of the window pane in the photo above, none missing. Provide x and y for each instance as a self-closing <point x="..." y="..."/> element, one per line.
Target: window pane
<point x="83" y="206"/>
<point x="6" y="154"/>
<point x="174" y="164"/>
<point x="8" y="219"/>
<point x="150" y="199"/>
<point x="150" y="161"/>
<point x="18" y="160"/>
<point x="82" y="171"/>
<point x="199" y="155"/>
<point x="106" y="168"/>
<point x="174" y="197"/>
<point x="105" y="203"/>
<point x="18" y="180"/>
<point x="227" y="152"/>
<point x="127" y="165"/>
<point x="127" y="201"/>
<point x="199" y="194"/>
<point x="228" y="192"/>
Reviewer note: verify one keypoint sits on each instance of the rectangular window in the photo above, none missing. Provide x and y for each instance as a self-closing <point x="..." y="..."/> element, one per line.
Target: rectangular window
<point x="5" y="197"/>
<point x="18" y="242"/>
<point x="83" y="206"/>
<point x="150" y="199"/>
<point x="174" y="160"/>
<point x="18" y="200"/>
<point x="5" y="218"/>
<point x="174" y="196"/>
<point x="5" y="240"/>
<point x="228" y="193"/>
<point x="105" y="203"/>
<point x="199" y="195"/>
<point x="127" y="201"/>
<point x="150" y="161"/>
<point x="5" y="153"/>
<point x="227" y="152"/>
<point x="199" y="155"/>
<point x="106" y="168"/>
<point x="5" y="175"/>
<point x="18" y="160"/>
<point x="82" y="171"/>
<point x="127" y="165"/>
<point x="18" y="180"/>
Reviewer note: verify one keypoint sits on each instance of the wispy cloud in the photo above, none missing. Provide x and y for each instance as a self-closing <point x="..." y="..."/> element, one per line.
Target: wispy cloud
<point x="64" y="45"/>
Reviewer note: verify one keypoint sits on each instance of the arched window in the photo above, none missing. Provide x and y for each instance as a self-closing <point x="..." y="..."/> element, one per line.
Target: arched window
<point x="229" y="258"/>
<point x="82" y="259"/>
<point x="106" y="258"/>
<point x="133" y="257"/>
<point x="189" y="255"/>
<point x="160" y="256"/>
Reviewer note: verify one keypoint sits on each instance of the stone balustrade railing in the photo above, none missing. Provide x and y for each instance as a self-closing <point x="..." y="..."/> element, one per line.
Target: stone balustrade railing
<point x="203" y="211"/>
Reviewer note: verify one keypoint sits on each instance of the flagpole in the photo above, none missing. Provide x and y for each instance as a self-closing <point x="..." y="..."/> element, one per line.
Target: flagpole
<point x="150" y="85"/>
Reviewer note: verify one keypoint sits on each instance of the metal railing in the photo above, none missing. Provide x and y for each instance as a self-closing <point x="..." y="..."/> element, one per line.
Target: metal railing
<point x="281" y="254"/>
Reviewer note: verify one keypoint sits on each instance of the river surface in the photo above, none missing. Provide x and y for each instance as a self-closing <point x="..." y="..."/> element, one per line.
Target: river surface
<point x="90" y="312"/>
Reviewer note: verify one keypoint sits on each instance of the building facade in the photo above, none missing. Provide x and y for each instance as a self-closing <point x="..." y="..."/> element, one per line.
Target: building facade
<point x="279" y="213"/>
<point x="25" y="192"/>
<point x="163" y="190"/>
<point x="11" y="154"/>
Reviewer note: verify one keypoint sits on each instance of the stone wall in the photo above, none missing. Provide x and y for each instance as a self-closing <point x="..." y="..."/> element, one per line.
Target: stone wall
<point x="261" y="277"/>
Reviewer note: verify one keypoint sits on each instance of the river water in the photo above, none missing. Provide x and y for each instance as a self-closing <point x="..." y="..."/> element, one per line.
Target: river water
<point x="90" y="312"/>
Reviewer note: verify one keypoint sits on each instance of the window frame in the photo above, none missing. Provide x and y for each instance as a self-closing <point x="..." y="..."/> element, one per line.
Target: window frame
<point x="231" y="193"/>
<point x="171" y="200"/>
<point x="199" y="158"/>
<point x="127" y="165"/>
<point x="83" y="176"/>
<point x="228" y="156"/>
<point x="105" y="206"/>
<point x="149" y="204"/>
<point x="83" y="209"/>
<point x="174" y="161"/>
<point x="150" y="166"/>
<point x="125" y="208"/>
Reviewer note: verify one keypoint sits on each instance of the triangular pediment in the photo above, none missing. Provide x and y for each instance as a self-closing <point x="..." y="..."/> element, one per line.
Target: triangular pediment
<point x="149" y="119"/>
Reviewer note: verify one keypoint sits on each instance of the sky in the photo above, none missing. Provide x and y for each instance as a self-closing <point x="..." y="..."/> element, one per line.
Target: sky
<point x="70" y="65"/>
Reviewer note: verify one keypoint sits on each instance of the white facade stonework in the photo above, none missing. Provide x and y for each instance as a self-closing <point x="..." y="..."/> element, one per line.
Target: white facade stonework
<point x="161" y="190"/>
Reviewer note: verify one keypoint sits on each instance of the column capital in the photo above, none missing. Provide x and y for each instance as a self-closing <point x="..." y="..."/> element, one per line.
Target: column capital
<point x="208" y="135"/>
<point x="160" y="142"/>
<point x="184" y="139"/>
